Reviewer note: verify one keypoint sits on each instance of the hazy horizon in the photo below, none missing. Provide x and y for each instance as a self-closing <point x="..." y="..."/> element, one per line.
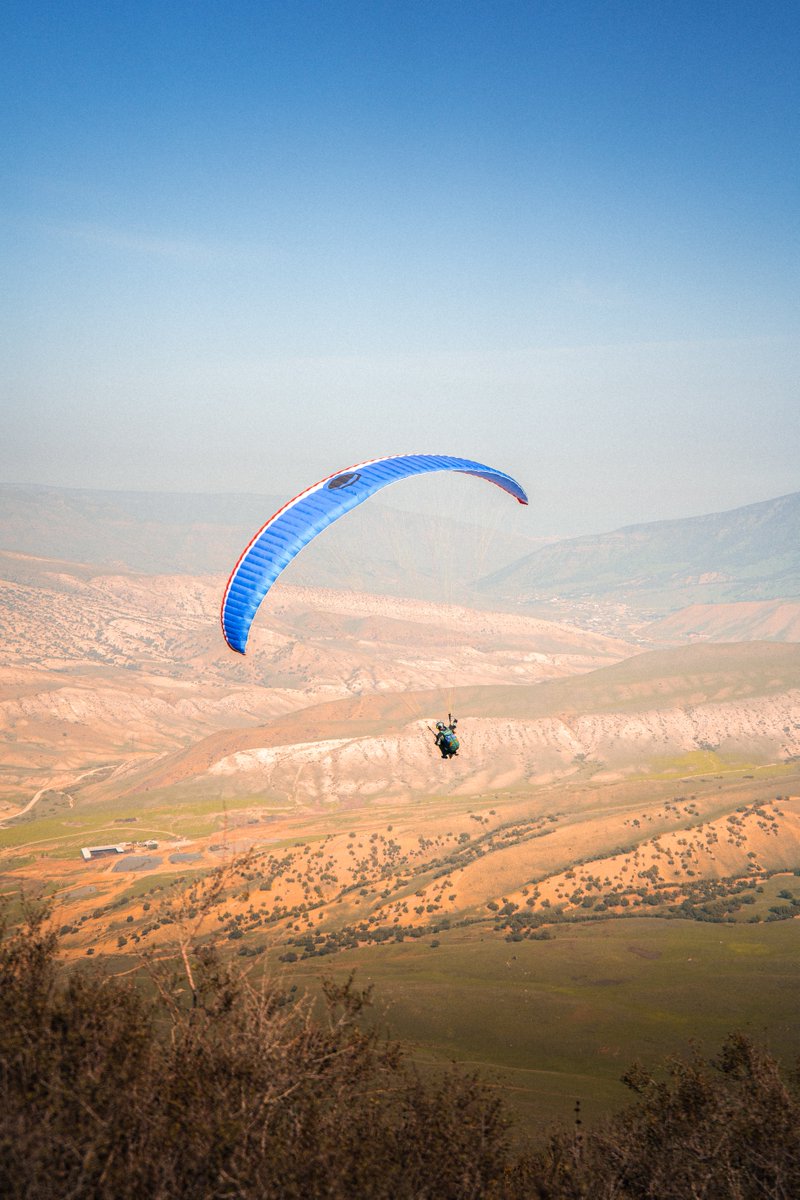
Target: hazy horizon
<point x="483" y="509"/>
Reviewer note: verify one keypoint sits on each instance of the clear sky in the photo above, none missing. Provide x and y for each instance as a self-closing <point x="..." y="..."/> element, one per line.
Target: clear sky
<point x="247" y="244"/>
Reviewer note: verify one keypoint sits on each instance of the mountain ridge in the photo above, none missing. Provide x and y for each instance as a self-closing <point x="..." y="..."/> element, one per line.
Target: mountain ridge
<point x="748" y="553"/>
<point x="197" y="534"/>
<point x="751" y="553"/>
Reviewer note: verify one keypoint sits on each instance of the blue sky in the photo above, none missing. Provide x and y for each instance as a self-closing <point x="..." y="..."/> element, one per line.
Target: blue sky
<point x="246" y="244"/>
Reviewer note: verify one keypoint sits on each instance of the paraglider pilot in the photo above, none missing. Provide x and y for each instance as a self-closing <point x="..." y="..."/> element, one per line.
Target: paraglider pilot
<point x="446" y="738"/>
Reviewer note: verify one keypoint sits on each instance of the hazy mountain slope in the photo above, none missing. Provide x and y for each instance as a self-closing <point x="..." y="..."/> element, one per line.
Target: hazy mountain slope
<point x="376" y="548"/>
<point x="748" y="553"/>
<point x="144" y="531"/>
<point x="679" y="677"/>
<point x="748" y="620"/>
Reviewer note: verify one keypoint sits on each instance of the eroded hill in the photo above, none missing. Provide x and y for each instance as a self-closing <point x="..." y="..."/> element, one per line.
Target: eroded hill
<point x="106" y="669"/>
<point x="653" y="713"/>
<point x="274" y="808"/>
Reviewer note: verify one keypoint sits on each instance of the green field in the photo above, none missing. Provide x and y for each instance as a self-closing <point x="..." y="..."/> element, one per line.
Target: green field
<point x="560" y="1020"/>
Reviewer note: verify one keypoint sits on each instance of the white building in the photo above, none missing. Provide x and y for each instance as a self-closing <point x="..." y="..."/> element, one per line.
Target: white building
<point x="101" y="851"/>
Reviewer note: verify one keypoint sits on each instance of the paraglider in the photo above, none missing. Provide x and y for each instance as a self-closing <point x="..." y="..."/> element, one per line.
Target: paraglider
<point x="300" y="520"/>
<point x="446" y="737"/>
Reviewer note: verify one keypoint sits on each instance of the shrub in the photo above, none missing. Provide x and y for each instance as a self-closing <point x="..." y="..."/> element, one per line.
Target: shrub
<point x="106" y="1091"/>
<point x="718" y="1129"/>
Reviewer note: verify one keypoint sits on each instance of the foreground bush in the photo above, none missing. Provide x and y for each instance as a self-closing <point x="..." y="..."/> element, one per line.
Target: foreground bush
<point x="223" y="1089"/>
<point x="104" y="1092"/>
<point x="724" y="1129"/>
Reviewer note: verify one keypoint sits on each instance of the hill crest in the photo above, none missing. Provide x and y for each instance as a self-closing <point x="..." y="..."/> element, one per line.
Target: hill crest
<point x="749" y="553"/>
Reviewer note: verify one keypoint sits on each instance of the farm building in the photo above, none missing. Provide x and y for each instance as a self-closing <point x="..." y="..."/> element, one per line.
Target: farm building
<point x="101" y="851"/>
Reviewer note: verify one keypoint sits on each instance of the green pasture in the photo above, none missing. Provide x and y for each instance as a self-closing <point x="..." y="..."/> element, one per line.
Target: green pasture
<point x="63" y="837"/>
<point x="695" y="762"/>
<point x="70" y="828"/>
<point x="147" y="882"/>
<point x="560" y="1020"/>
<point x="193" y="816"/>
<point x="767" y="893"/>
<point x="17" y="862"/>
<point x="62" y="834"/>
<point x="692" y="766"/>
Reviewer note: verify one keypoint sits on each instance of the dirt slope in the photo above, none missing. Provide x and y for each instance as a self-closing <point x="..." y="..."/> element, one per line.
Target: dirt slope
<point x="752" y="620"/>
<point x="740" y="702"/>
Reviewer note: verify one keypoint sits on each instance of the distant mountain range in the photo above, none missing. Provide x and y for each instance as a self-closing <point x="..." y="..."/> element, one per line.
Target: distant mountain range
<point x="750" y="553"/>
<point x="747" y="554"/>
<point x="377" y="548"/>
<point x="153" y="532"/>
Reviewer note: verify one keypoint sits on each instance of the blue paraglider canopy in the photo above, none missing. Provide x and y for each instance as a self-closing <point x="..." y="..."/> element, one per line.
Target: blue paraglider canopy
<point x="301" y="519"/>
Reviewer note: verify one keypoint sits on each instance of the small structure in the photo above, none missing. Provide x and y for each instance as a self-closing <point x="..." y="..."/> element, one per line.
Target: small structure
<point x="102" y="851"/>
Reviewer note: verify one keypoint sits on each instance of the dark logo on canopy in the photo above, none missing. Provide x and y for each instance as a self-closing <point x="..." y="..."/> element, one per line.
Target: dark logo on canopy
<point x="344" y="480"/>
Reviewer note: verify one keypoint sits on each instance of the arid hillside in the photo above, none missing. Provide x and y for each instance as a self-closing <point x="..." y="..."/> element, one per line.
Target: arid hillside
<point x="747" y="621"/>
<point x="101" y="670"/>
<point x="653" y="711"/>
<point x="290" y="805"/>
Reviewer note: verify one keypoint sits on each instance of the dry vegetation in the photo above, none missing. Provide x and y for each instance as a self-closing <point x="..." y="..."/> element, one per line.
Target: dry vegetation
<point x="504" y="869"/>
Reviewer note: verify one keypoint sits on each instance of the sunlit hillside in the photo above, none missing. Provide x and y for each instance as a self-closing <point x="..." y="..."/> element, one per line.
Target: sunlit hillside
<point x="608" y="808"/>
<point x="101" y="670"/>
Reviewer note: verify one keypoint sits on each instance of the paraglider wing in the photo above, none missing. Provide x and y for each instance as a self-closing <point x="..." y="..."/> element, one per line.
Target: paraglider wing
<point x="298" y="522"/>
